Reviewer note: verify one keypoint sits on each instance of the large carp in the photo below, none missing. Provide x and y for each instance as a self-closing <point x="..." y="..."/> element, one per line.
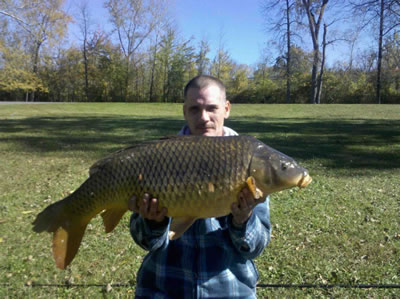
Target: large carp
<point x="192" y="176"/>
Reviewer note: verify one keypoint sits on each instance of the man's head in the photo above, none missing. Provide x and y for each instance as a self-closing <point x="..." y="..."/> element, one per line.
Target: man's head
<point x="206" y="108"/>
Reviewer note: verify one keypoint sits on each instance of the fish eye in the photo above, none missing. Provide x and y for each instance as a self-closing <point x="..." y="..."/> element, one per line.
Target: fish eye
<point x="284" y="166"/>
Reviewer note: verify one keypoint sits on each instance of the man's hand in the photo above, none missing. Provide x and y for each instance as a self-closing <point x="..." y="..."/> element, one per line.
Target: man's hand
<point x="243" y="208"/>
<point x="148" y="208"/>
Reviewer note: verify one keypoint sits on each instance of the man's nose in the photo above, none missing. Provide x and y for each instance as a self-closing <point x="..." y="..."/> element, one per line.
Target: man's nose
<point x="204" y="115"/>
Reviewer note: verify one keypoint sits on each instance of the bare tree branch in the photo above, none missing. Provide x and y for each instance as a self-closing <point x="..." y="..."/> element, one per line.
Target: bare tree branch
<point x="24" y="25"/>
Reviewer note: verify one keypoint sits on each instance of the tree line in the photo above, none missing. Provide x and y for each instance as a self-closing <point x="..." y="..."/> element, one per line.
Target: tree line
<point x="143" y="58"/>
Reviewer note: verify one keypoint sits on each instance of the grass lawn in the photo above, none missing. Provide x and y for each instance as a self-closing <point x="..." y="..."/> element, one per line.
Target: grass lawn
<point x="343" y="229"/>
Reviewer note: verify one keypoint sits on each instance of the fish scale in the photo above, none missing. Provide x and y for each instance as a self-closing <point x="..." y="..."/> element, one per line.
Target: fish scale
<point x="192" y="176"/>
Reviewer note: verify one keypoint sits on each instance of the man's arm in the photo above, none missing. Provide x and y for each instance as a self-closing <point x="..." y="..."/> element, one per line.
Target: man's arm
<point x="250" y="227"/>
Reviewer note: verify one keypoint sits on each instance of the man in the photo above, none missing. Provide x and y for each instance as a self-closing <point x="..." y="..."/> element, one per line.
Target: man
<point x="213" y="258"/>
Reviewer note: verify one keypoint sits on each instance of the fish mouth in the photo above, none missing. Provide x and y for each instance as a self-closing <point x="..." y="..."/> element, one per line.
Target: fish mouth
<point x="305" y="181"/>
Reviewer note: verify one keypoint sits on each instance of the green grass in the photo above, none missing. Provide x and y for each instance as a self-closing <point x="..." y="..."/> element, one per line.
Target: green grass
<point x="343" y="229"/>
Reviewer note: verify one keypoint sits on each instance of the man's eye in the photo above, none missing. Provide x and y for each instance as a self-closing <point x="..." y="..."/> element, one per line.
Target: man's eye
<point x="194" y="110"/>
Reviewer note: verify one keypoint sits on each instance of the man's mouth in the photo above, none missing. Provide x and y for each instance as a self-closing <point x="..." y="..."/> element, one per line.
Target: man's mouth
<point x="206" y="128"/>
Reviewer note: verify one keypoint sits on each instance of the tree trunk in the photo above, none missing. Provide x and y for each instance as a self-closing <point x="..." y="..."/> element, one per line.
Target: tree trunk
<point x="85" y="61"/>
<point x="35" y="67"/>
<point x="84" y="30"/>
<point x="321" y="72"/>
<point x="379" y="67"/>
<point x="153" y="69"/>
<point x="288" y="60"/>
<point x="314" y="26"/>
<point x="126" y="83"/>
<point x="314" y="73"/>
<point x="151" y="91"/>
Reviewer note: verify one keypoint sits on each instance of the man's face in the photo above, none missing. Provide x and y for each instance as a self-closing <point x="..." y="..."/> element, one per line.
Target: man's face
<point x="205" y="111"/>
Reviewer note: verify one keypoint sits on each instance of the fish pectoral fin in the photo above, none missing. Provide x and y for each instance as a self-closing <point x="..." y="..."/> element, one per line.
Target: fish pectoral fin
<point x="251" y="183"/>
<point x="111" y="218"/>
<point x="179" y="226"/>
<point x="66" y="242"/>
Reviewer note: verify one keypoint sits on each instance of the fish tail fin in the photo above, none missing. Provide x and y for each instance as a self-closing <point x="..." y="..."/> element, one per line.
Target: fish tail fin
<point x="67" y="232"/>
<point x="48" y="220"/>
<point x="111" y="218"/>
<point x="66" y="242"/>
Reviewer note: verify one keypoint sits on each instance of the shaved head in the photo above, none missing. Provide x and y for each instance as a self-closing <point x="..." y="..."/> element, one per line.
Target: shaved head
<point x="203" y="81"/>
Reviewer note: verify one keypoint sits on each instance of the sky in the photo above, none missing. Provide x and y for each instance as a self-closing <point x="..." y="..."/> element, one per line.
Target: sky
<point x="235" y="23"/>
<point x="242" y="25"/>
<point x="238" y="24"/>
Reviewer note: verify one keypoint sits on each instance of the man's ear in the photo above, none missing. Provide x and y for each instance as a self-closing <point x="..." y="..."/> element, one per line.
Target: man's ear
<point x="227" y="108"/>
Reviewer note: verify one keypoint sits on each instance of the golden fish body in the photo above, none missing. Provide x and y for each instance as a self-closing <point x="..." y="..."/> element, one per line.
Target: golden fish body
<point x="193" y="177"/>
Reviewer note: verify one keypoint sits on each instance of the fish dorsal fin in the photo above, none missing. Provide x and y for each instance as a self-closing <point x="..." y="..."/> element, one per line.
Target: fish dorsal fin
<point x="102" y="162"/>
<point x="98" y="166"/>
<point x="179" y="226"/>
<point x="111" y="218"/>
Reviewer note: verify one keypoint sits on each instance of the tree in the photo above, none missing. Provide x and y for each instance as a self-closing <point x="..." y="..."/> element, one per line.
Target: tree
<point x="314" y="11"/>
<point x="42" y="21"/>
<point x="301" y="65"/>
<point x="133" y="21"/>
<point x="168" y="44"/>
<point x="387" y="14"/>
<point x="84" y="25"/>
<point x="15" y="75"/>
<point x="222" y="65"/>
<point x="177" y="58"/>
<point x="352" y="37"/>
<point x="283" y="27"/>
<point x="153" y="59"/>
<point x="65" y="76"/>
<point x="202" y="61"/>
<point x="240" y="75"/>
<point x="322" y="68"/>
<point x="263" y="87"/>
<point x="182" y="62"/>
<point x="391" y="68"/>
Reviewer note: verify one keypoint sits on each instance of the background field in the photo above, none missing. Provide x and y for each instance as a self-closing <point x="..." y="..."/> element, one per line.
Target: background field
<point x="343" y="229"/>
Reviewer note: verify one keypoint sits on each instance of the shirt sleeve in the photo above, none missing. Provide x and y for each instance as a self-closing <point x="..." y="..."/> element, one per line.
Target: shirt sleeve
<point x="251" y="239"/>
<point x="149" y="235"/>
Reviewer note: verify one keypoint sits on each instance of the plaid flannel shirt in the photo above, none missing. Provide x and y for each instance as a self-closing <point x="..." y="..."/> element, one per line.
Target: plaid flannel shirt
<point x="212" y="259"/>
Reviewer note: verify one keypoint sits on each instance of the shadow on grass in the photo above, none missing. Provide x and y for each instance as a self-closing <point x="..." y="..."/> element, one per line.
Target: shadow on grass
<point x="95" y="134"/>
<point x="357" y="143"/>
<point x="348" y="144"/>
